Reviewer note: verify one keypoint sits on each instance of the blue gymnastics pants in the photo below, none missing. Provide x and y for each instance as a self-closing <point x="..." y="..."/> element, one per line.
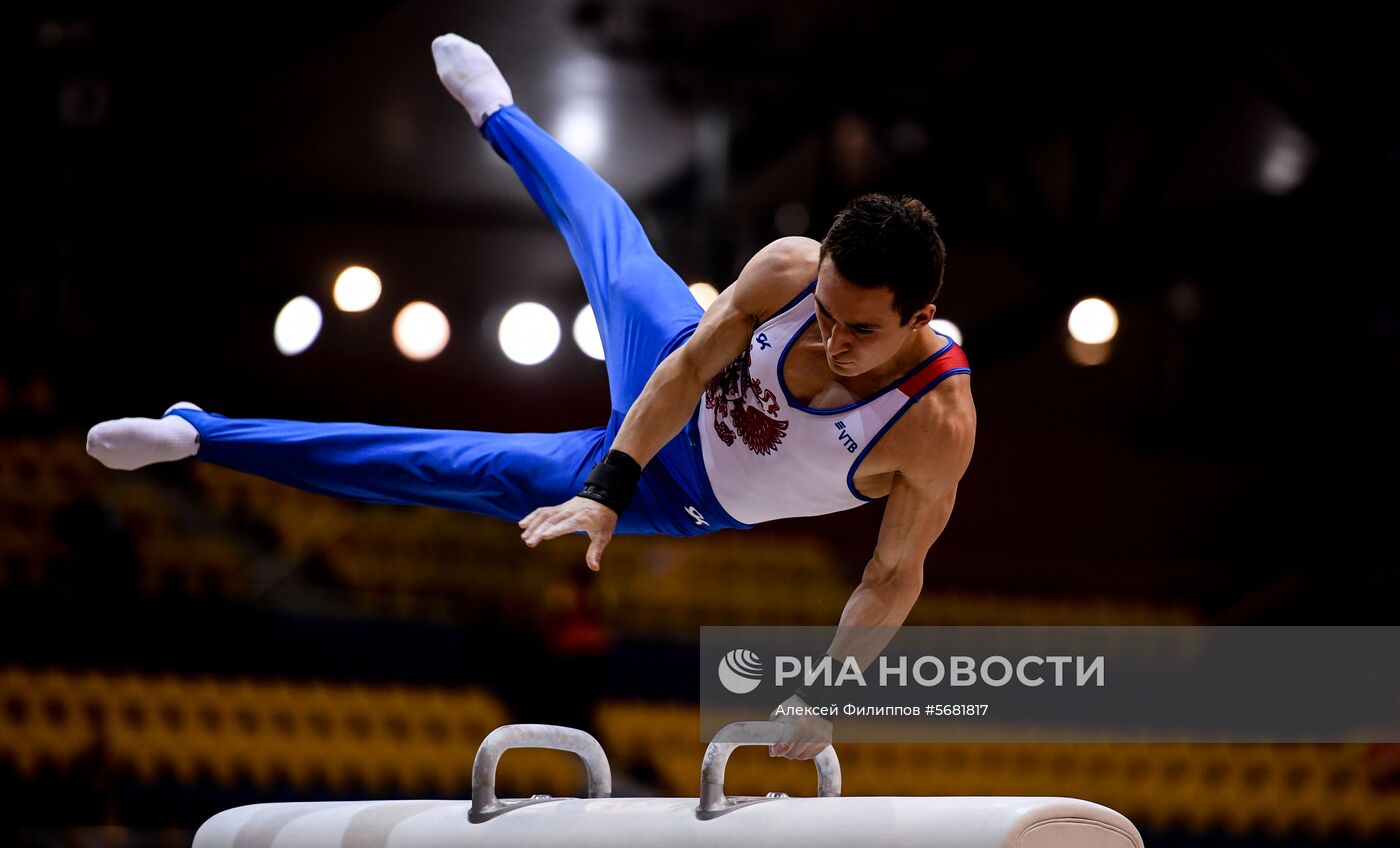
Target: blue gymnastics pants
<point x="644" y="312"/>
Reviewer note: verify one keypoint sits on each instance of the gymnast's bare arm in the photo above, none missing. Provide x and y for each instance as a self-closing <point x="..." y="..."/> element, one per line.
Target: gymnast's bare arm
<point x="934" y="446"/>
<point x="768" y="282"/>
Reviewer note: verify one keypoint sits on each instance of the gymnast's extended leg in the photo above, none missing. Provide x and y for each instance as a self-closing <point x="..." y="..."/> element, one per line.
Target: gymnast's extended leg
<point x="504" y="475"/>
<point x="643" y="308"/>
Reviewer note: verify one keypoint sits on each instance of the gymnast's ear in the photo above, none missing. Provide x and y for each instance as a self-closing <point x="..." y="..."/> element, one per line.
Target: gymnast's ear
<point x="921" y="319"/>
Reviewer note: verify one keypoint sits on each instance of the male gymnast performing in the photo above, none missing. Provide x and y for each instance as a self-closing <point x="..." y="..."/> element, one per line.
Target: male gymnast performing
<point x="813" y="384"/>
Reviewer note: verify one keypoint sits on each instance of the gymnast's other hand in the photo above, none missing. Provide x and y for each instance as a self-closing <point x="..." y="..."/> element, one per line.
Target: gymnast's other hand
<point x="807" y="735"/>
<point x="573" y="516"/>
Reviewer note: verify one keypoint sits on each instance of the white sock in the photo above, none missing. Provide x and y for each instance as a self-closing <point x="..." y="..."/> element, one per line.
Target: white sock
<point x="130" y="443"/>
<point x="470" y="76"/>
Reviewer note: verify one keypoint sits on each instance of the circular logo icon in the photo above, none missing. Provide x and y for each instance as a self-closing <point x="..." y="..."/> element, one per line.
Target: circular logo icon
<point x="740" y="671"/>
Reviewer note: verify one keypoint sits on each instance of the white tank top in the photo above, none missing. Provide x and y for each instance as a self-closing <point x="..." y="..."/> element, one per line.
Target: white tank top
<point x="768" y="456"/>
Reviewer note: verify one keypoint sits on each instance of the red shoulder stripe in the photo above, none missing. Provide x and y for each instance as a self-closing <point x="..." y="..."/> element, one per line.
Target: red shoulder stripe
<point x="953" y="358"/>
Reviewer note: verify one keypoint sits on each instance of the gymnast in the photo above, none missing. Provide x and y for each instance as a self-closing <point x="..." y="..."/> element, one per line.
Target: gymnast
<point x="813" y="384"/>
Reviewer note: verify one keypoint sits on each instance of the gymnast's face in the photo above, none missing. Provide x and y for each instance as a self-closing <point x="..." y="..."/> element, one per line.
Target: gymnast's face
<point x="860" y="327"/>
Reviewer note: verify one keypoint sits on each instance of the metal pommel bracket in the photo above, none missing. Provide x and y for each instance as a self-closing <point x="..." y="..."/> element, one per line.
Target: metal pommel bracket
<point x="713" y="801"/>
<point x="485" y="804"/>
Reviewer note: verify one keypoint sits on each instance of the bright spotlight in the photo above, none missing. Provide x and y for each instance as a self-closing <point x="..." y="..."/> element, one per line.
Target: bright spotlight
<point x="297" y="325"/>
<point x="705" y="294"/>
<point x="1286" y="160"/>
<point x="949" y="329"/>
<point x="1093" y="321"/>
<point x="529" y="333"/>
<point x="586" y="334"/>
<point x="421" y="331"/>
<point x="1088" y="355"/>
<point x="357" y="289"/>
<point x="583" y="131"/>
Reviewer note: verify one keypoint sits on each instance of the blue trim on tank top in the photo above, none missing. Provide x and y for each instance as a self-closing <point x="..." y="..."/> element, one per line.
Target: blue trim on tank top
<point x="851" y="475"/>
<point x="719" y="518"/>
<point x="782" y="382"/>
<point x="801" y="296"/>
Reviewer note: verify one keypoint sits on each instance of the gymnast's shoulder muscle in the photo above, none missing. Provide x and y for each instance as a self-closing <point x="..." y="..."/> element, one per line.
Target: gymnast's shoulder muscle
<point x="768" y="282"/>
<point x="774" y="276"/>
<point x="933" y="442"/>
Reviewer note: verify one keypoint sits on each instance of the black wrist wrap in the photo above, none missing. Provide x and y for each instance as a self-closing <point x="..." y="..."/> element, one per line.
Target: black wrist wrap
<point x="818" y="694"/>
<point x="613" y="481"/>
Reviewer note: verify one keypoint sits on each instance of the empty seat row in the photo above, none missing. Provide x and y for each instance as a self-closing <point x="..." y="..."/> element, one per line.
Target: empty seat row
<point x="265" y="733"/>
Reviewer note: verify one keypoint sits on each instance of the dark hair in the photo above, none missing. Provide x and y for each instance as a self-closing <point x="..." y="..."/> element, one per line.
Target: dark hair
<point x="879" y="240"/>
